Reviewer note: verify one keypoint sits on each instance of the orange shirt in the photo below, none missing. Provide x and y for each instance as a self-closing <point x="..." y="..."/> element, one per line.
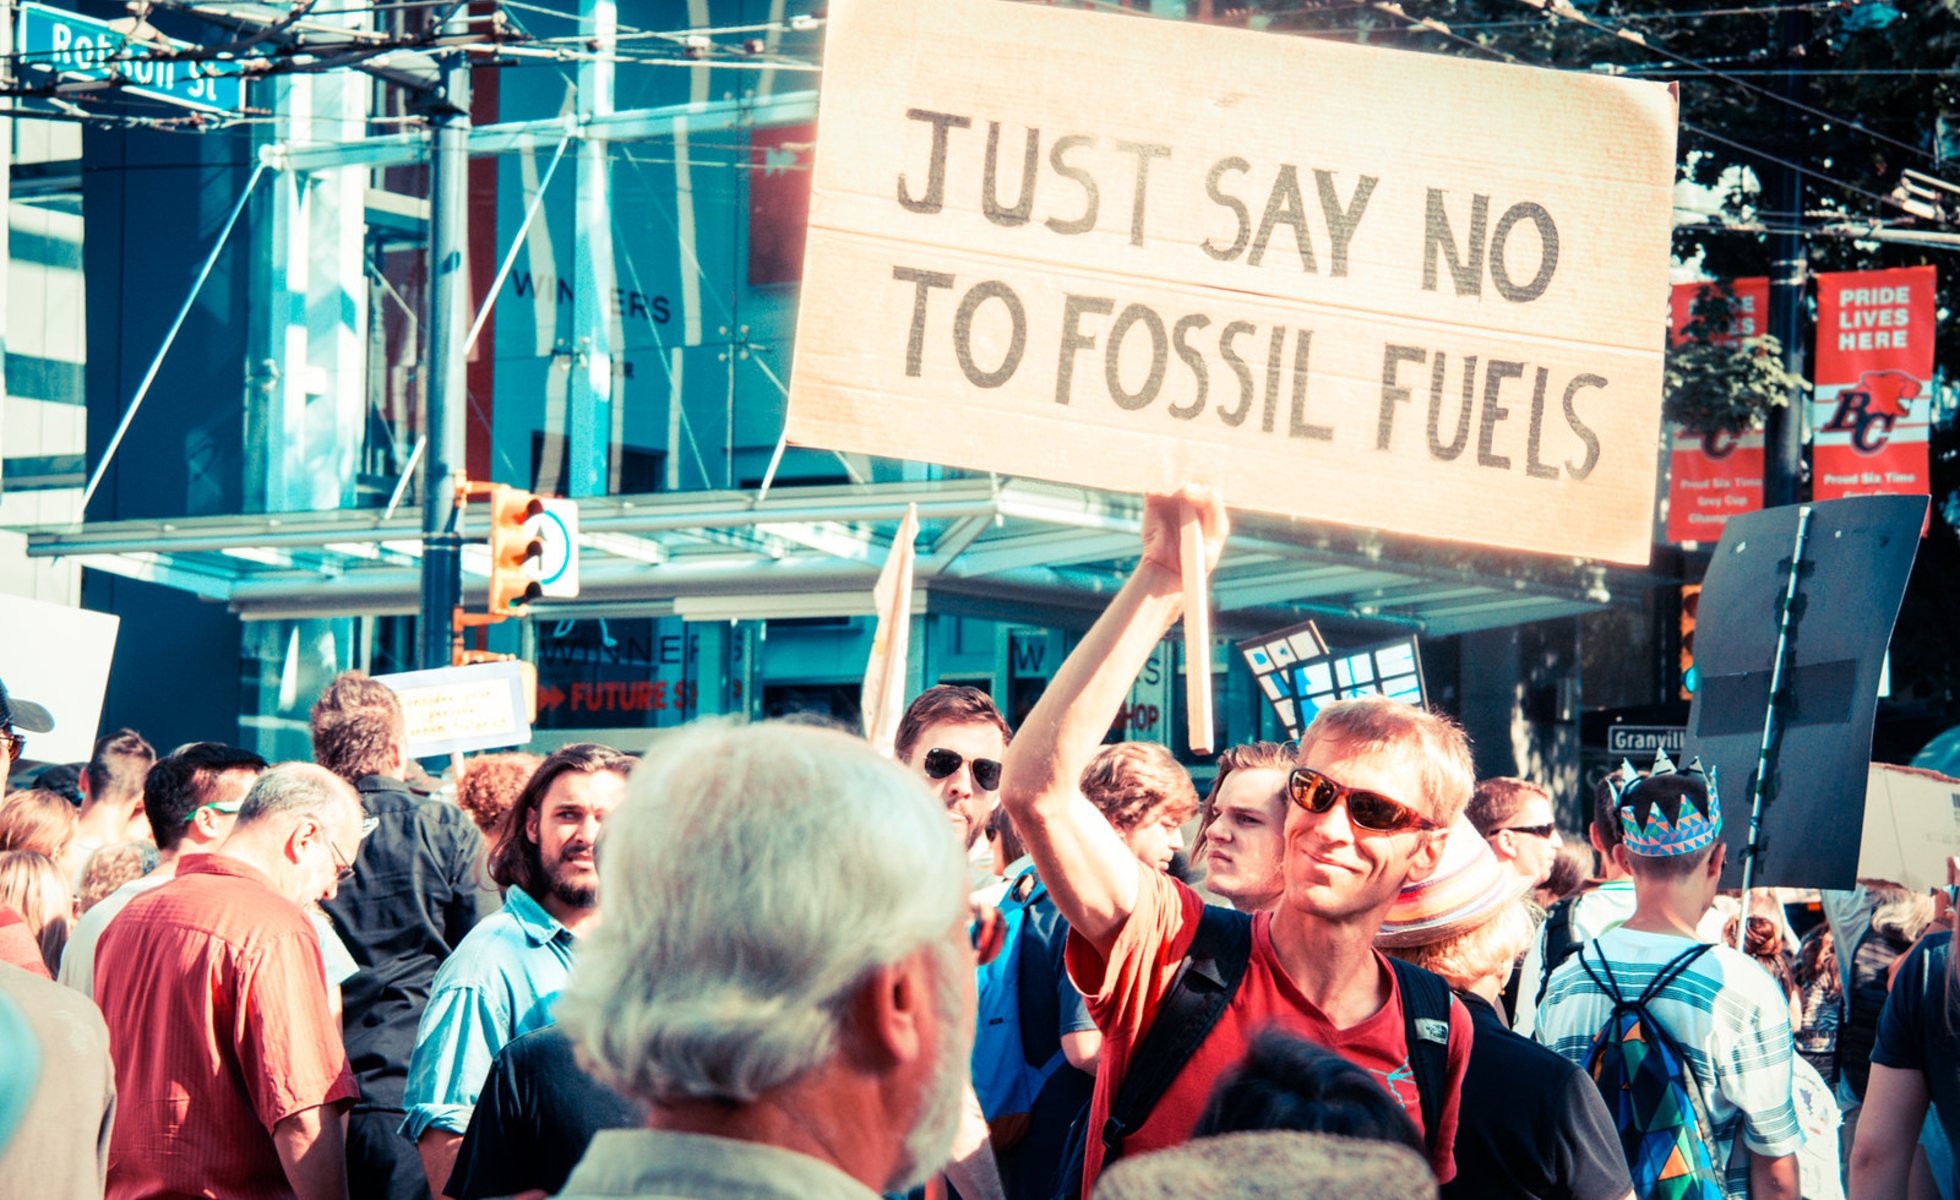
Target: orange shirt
<point x="219" y="1028"/>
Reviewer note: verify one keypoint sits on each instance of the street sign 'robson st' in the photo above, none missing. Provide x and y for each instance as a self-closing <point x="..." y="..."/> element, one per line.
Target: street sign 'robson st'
<point x="53" y="39"/>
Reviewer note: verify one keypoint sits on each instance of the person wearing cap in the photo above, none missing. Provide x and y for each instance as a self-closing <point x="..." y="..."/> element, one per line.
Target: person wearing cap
<point x="18" y="718"/>
<point x="1722" y="1010"/>
<point x="1533" y="1124"/>
<point x="1372" y="793"/>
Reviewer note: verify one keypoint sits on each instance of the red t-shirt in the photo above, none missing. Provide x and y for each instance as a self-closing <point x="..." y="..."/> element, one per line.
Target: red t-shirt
<point x="1124" y="993"/>
<point x="219" y="1029"/>
<point x="18" y="947"/>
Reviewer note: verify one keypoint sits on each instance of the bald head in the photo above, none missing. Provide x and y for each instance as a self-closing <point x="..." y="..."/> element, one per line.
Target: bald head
<point x="300" y="825"/>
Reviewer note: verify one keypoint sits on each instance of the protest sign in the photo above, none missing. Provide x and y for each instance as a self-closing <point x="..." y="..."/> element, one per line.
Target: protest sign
<point x="452" y="710"/>
<point x="58" y="657"/>
<point x="1872" y="412"/>
<point x="1912" y="826"/>
<point x="1712" y="477"/>
<point x="1407" y="292"/>
<point x="883" y="698"/>
<point x="1851" y="578"/>
<point x="1298" y="675"/>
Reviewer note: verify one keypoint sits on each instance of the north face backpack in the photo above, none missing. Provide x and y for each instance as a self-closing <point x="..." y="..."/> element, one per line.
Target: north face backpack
<point x="1654" y="1098"/>
<point x="1005" y="1079"/>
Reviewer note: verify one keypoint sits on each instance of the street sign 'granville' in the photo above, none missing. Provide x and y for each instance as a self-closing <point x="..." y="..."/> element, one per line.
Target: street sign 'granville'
<point x="1380" y="288"/>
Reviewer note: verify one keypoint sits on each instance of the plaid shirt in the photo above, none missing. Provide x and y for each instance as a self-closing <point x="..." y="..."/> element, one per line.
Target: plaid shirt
<point x="1726" y="1014"/>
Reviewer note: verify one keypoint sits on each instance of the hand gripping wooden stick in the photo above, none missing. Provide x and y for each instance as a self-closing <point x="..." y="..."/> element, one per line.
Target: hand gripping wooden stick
<point x="1197" y="631"/>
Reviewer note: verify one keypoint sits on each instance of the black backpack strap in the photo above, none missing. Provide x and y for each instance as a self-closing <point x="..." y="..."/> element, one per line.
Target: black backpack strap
<point x="1609" y="985"/>
<point x="1198" y="996"/>
<point x="1426" y="1004"/>
<point x="1672" y="970"/>
<point x="1558" y="943"/>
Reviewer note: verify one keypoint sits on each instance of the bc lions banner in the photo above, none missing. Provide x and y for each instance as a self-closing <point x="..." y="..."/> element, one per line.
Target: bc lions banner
<point x="1713" y="477"/>
<point x="1874" y="380"/>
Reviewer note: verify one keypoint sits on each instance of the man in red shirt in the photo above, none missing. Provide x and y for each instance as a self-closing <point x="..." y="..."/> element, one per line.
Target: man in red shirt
<point x="1377" y="786"/>
<point x="230" y="1073"/>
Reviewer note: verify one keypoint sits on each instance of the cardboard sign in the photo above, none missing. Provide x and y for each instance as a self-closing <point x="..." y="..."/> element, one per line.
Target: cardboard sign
<point x="453" y="710"/>
<point x="1857" y="554"/>
<point x="1872" y="413"/>
<point x="1714" y="477"/>
<point x="1912" y="826"/>
<point x="59" y="658"/>
<point x="1406" y="292"/>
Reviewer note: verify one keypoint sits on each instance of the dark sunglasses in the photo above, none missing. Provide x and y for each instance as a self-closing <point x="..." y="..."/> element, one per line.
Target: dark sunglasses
<point x="941" y="763"/>
<point x="1372" y="811"/>
<point x="1538" y="831"/>
<point x="16" y="745"/>
<point x="986" y="933"/>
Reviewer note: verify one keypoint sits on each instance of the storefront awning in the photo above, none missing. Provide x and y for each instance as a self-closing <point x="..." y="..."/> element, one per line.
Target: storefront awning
<point x="1002" y="549"/>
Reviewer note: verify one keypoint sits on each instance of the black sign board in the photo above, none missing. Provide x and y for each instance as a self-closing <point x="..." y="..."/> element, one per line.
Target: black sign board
<point x="1856" y="556"/>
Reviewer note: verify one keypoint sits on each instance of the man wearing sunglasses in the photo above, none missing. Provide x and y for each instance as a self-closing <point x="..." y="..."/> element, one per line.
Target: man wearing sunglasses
<point x="230" y="1073"/>
<point x="1515" y="816"/>
<point x="18" y="718"/>
<point x="1375" y="786"/>
<point x="955" y="737"/>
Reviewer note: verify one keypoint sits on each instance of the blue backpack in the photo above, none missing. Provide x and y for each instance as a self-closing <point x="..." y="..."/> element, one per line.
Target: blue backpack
<point x="1653" y="1096"/>
<point x="1005" y="1078"/>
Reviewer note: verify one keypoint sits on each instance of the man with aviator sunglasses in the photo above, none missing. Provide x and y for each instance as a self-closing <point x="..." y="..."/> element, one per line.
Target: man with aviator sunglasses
<point x="1376" y="786"/>
<point x="954" y="737"/>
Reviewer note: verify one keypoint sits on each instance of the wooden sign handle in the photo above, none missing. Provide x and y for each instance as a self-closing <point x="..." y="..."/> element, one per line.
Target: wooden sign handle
<point x="1197" y="632"/>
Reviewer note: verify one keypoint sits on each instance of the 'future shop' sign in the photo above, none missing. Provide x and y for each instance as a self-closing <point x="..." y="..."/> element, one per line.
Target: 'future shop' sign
<point x="1379" y="288"/>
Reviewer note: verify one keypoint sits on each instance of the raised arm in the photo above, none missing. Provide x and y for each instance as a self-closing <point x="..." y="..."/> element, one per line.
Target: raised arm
<point x="1083" y="862"/>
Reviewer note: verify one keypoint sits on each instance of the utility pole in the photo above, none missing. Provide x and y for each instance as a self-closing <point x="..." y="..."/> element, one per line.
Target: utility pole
<point x="1783" y="464"/>
<point x="448" y="326"/>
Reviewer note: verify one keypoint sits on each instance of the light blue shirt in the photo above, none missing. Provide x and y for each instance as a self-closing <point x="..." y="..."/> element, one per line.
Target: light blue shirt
<point x="498" y="985"/>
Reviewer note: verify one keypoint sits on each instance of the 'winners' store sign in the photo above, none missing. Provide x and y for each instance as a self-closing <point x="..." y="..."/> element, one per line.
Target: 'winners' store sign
<point x="1379" y="288"/>
<point x="1874" y="379"/>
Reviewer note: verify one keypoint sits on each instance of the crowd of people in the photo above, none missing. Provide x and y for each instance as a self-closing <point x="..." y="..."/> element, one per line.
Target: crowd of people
<point x="768" y="960"/>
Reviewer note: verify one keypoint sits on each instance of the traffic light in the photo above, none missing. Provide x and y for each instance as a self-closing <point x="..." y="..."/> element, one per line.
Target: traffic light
<point x="515" y="551"/>
<point x="1690" y="605"/>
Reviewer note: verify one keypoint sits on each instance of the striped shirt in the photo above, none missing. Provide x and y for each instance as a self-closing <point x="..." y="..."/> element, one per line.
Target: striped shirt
<point x="1727" y="1016"/>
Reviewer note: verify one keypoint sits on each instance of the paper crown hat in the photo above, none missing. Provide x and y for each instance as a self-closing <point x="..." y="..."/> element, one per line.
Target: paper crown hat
<point x="1662" y="822"/>
<point x="1468" y="887"/>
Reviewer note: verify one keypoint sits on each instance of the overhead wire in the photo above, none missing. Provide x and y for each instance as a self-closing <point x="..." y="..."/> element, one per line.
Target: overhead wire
<point x="1562" y="10"/>
<point x="1396" y="10"/>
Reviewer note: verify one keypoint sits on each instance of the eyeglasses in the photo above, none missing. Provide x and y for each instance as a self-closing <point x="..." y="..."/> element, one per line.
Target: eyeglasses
<point x="941" y="763"/>
<point x="986" y="933"/>
<point x="1537" y="831"/>
<point x="1372" y="811"/>
<point x="16" y="745"/>
<point x="343" y="870"/>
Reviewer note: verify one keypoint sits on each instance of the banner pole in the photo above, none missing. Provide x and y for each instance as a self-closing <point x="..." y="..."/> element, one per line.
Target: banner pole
<point x="1197" y="632"/>
<point x="1769" y="720"/>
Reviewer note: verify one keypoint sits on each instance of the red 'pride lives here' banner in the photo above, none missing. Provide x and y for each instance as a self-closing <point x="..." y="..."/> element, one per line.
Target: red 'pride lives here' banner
<point x="1710" y="479"/>
<point x="1874" y="379"/>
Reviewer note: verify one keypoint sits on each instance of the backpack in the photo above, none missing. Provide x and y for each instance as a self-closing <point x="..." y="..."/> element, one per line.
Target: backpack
<point x="1559" y="943"/>
<point x="1199" y="994"/>
<point x="1005" y="1078"/>
<point x="1654" y="1098"/>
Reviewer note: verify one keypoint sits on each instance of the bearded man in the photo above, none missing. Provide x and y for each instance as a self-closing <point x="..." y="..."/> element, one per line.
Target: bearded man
<point x="501" y="981"/>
